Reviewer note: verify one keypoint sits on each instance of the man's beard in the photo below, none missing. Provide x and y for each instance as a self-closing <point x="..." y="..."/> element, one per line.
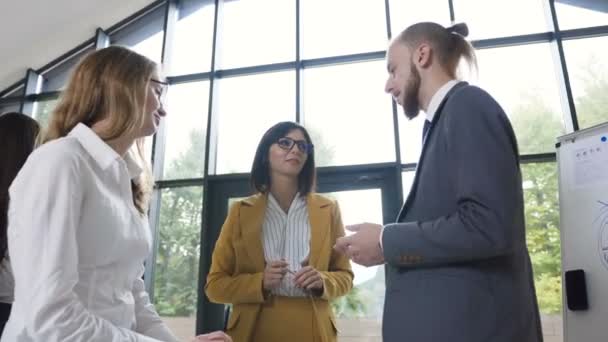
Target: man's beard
<point x="411" y="106"/>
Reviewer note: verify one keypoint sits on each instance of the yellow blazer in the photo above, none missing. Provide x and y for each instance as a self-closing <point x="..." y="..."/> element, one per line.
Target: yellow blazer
<point x="237" y="265"/>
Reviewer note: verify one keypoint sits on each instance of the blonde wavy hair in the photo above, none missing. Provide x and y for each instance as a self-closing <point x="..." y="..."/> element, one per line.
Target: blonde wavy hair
<point x="111" y="83"/>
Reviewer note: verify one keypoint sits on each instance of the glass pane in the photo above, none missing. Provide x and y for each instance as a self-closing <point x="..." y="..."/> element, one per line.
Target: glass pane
<point x="522" y="79"/>
<point x="193" y="39"/>
<point x="43" y="110"/>
<point x="543" y="239"/>
<point x="176" y="270"/>
<point x="7" y="108"/>
<point x="359" y="313"/>
<point x="499" y="18"/>
<point x="246" y="107"/>
<point x="588" y="70"/>
<point x="573" y="14"/>
<point x="410" y="136"/>
<point x="332" y="28"/>
<point x="57" y="78"/>
<point x="407" y="181"/>
<point x="144" y="36"/>
<point x="187" y="108"/>
<point x="255" y="32"/>
<point x="406" y="13"/>
<point x="16" y="92"/>
<point x="348" y="114"/>
<point x="148" y="149"/>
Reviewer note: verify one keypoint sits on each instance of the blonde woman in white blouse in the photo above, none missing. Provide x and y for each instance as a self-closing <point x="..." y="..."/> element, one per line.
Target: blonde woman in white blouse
<point x="78" y="233"/>
<point x="274" y="259"/>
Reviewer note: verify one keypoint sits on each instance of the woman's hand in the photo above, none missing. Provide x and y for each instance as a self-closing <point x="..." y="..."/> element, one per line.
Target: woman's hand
<point x="273" y="274"/>
<point x="309" y="278"/>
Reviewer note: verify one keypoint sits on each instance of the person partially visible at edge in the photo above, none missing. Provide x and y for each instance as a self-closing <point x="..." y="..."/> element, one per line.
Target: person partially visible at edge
<point x="18" y="134"/>
<point x="273" y="260"/>
<point x="458" y="268"/>
<point x="78" y="232"/>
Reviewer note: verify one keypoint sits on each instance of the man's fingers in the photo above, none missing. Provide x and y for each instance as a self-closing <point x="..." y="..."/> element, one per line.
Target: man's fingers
<point x="354" y="227"/>
<point x="342" y="244"/>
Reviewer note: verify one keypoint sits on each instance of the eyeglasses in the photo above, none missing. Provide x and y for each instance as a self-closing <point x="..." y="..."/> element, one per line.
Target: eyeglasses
<point x="287" y="143"/>
<point x="163" y="88"/>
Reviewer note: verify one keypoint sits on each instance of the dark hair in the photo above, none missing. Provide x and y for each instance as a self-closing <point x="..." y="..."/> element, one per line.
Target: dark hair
<point x="260" y="170"/>
<point x="448" y="43"/>
<point x="18" y="133"/>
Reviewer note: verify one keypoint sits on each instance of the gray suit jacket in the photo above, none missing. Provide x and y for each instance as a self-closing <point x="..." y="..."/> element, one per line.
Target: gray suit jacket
<point x="458" y="267"/>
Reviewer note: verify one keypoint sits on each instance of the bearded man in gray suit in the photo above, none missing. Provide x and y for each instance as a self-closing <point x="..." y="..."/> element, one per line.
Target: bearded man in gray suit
<point x="457" y="265"/>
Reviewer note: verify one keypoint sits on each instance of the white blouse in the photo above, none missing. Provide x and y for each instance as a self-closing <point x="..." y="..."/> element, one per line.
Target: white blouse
<point x="77" y="246"/>
<point x="287" y="236"/>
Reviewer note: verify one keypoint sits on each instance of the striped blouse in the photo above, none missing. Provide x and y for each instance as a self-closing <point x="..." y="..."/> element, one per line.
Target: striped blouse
<point x="287" y="236"/>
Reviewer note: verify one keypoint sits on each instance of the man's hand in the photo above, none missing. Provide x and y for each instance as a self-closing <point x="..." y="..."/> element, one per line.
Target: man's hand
<point x="217" y="336"/>
<point x="363" y="247"/>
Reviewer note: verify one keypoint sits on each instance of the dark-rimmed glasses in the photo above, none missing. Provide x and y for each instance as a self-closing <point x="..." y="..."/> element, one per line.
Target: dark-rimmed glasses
<point x="287" y="143"/>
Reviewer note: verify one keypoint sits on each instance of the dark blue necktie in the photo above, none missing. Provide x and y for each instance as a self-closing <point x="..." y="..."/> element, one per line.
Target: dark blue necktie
<point x="425" y="128"/>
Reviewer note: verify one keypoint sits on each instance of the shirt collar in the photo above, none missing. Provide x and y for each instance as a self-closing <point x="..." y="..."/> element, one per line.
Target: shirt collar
<point x="101" y="152"/>
<point x="298" y="202"/>
<point x="438" y="98"/>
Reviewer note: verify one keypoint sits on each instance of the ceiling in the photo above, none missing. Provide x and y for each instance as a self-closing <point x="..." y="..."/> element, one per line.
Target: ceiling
<point x="35" y="32"/>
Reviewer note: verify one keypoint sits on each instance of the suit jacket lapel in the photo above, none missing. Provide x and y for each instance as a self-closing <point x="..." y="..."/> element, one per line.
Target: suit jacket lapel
<point x="320" y="225"/>
<point x="424" y="148"/>
<point x="253" y="210"/>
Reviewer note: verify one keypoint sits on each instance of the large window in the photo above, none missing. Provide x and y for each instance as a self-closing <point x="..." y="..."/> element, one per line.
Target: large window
<point x="345" y="130"/>
<point x="574" y="14"/>
<point x="186" y="126"/>
<point x="43" y="111"/>
<point x="176" y="270"/>
<point x="496" y="18"/>
<point x="56" y="78"/>
<point x="330" y="30"/>
<point x="543" y="239"/>
<point x="325" y="69"/>
<point x="145" y="35"/>
<point x="193" y="38"/>
<point x="9" y="107"/>
<point x="247" y="106"/>
<point x="255" y="32"/>
<point x="522" y="79"/>
<point x="405" y="13"/>
<point x="586" y="59"/>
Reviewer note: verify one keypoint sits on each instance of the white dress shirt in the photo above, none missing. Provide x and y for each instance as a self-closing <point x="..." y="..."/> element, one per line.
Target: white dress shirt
<point x="287" y="236"/>
<point x="437" y="98"/>
<point x="77" y="246"/>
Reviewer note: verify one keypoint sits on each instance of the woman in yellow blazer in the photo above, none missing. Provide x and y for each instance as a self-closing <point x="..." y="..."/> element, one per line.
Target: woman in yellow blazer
<point x="274" y="260"/>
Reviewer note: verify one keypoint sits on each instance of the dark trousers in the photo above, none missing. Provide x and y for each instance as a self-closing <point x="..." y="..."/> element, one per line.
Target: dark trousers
<point x="5" y="312"/>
